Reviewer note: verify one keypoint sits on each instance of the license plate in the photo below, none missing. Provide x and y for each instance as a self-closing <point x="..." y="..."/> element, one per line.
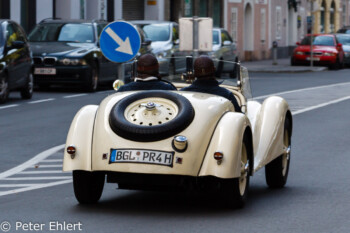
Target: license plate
<point x="142" y="156"/>
<point x="315" y="58"/>
<point x="45" y="71"/>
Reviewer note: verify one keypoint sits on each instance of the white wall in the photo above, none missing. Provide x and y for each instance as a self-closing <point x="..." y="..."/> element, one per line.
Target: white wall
<point x="15" y="11"/>
<point x="154" y="12"/>
<point x="118" y="9"/>
<point x="68" y="9"/>
<point x="40" y="12"/>
<point x="75" y="9"/>
<point x="92" y="9"/>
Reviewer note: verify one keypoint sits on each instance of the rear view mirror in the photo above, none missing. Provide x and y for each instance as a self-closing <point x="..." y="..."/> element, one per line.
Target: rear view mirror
<point x="176" y="42"/>
<point x="227" y="43"/>
<point x="298" y="43"/>
<point x="117" y="84"/>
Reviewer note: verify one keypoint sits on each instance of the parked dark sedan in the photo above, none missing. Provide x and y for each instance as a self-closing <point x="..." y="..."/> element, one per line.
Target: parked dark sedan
<point x="15" y="61"/>
<point x="67" y="52"/>
<point x="344" y="39"/>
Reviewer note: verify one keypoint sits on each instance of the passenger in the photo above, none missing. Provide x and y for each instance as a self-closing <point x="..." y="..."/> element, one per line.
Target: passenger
<point x="148" y="77"/>
<point x="205" y="82"/>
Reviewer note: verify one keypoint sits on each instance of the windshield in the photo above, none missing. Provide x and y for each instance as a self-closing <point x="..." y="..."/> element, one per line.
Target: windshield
<point x="70" y="32"/>
<point x="157" y="32"/>
<point x="344" y="39"/>
<point x="216" y="39"/>
<point x="318" y="40"/>
<point x="1" y="37"/>
<point x="344" y="30"/>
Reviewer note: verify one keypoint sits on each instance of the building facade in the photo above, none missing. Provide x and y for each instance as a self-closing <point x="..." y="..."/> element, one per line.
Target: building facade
<point x="254" y="24"/>
<point x="258" y="24"/>
<point x="29" y="12"/>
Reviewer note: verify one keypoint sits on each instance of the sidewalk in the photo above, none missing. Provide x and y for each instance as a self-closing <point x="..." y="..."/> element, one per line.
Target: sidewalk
<point x="283" y="66"/>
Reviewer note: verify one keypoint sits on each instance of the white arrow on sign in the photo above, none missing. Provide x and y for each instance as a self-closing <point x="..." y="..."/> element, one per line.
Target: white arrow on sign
<point x="124" y="46"/>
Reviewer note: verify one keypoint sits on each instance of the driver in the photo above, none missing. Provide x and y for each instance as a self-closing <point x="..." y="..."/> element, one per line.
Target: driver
<point x="148" y="77"/>
<point x="205" y="82"/>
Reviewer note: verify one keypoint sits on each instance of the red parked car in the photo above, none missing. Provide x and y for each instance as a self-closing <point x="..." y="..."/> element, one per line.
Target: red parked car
<point x="327" y="51"/>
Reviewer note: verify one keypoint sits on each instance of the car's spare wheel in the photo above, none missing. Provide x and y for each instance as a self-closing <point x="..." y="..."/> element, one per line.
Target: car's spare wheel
<point x="151" y="115"/>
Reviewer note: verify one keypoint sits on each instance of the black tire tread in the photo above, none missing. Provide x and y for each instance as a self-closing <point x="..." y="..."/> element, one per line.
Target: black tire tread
<point x="273" y="170"/>
<point x="122" y="127"/>
<point x="88" y="186"/>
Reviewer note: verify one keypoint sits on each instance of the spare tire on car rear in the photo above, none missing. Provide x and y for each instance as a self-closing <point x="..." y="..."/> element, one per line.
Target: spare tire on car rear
<point x="151" y="115"/>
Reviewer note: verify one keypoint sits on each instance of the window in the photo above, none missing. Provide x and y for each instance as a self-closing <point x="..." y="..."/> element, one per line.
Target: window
<point x="188" y="8"/>
<point x="278" y="23"/>
<point x="20" y="34"/>
<point x="175" y="33"/>
<point x="157" y="32"/>
<point x="234" y="17"/>
<point x="216" y="39"/>
<point x="100" y="28"/>
<point x="82" y="33"/>
<point x="76" y="33"/>
<point x="225" y="36"/>
<point x="10" y="35"/>
<point x="262" y="25"/>
<point x="319" y="40"/>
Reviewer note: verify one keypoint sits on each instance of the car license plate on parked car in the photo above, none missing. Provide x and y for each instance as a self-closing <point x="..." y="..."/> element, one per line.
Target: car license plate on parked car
<point x="315" y="58"/>
<point x="142" y="156"/>
<point x="45" y="71"/>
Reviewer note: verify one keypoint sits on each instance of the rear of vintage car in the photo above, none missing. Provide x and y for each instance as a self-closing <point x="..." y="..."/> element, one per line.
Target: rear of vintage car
<point x="172" y="145"/>
<point x="160" y="140"/>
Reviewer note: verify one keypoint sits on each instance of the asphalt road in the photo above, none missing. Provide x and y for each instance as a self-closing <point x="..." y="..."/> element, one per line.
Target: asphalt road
<point x="316" y="198"/>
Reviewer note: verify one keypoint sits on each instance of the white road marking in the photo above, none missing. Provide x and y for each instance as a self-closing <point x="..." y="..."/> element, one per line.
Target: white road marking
<point x="39" y="178"/>
<point x="300" y="90"/>
<point x="41" y="172"/>
<point x="41" y="101"/>
<point x="9" y="106"/>
<point x="31" y="162"/>
<point x="320" y="105"/>
<point x="35" y="187"/>
<point x="41" y="166"/>
<point x="15" y="185"/>
<point x="51" y="161"/>
<point x="73" y="96"/>
<point x="106" y="92"/>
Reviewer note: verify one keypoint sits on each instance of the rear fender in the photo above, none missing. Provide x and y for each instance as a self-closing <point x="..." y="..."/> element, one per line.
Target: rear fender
<point x="80" y="136"/>
<point x="268" y="130"/>
<point x="227" y="138"/>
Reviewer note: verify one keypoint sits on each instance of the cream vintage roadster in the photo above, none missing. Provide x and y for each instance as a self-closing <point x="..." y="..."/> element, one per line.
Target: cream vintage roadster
<point x="165" y="140"/>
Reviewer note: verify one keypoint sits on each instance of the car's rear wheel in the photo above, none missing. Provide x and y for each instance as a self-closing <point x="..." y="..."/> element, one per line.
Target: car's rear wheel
<point x="4" y="89"/>
<point x="27" y="90"/>
<point x="276" y="172"/>
<point x="88" y="186"/>
<point x="238" y="191"/>
<point x="92" y="82"/>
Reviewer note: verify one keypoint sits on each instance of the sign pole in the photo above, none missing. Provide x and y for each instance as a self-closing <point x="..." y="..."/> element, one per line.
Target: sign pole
<point x="121" y="71"/>
<point x="312" y="31"/>
<point x="195" y="36"/>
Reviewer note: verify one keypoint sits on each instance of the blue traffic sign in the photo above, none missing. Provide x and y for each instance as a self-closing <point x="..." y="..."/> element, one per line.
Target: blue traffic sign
<point x="120" y="41"/>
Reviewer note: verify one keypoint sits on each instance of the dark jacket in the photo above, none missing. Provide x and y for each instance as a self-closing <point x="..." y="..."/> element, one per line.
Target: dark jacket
<point x="146" y="85"/>
<point x="212" y="87"/>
